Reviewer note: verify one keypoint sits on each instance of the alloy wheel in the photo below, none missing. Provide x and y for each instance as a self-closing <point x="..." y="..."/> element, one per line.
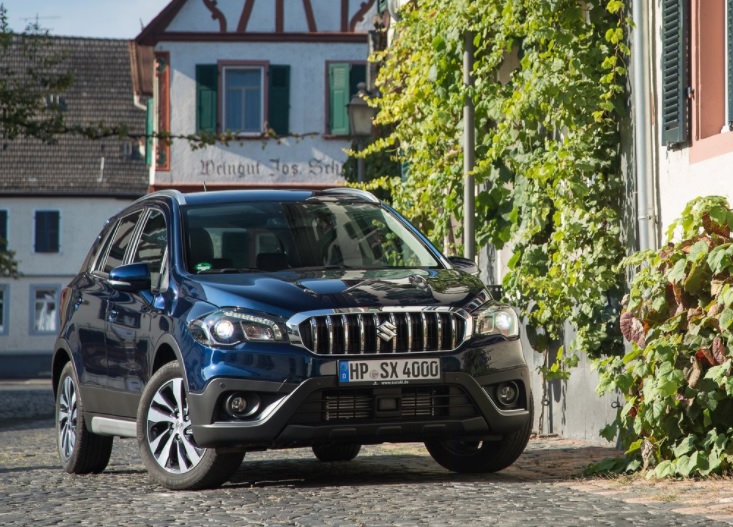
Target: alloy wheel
<point x="169" y="429"/>
<point x="67" y="418"/>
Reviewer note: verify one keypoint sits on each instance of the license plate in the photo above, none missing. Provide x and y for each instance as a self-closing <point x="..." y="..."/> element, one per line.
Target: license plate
<point x="388" y="371"/>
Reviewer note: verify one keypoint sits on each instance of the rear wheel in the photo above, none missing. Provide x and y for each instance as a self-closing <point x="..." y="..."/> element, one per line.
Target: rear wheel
<point x="167" y="446"/>
<point x="482" y="456"/>
<point x="336" y="451"/>
<point x="80" y="450"/>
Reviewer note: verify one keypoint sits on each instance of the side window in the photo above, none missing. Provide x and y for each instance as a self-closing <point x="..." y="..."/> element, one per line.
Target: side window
<point x="120" y="242"/>
<point x="152" y="246"/>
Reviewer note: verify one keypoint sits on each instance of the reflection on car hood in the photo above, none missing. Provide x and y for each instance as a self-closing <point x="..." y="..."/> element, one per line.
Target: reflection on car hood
<point x="287" y="292"/>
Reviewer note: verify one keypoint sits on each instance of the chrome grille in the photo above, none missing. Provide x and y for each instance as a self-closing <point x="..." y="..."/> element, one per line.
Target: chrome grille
<point x="383" y="332"/>
<point x="357" y="405"/>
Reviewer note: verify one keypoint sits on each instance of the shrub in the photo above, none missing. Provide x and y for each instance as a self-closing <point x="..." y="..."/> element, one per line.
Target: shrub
<point x="678" y="317"/>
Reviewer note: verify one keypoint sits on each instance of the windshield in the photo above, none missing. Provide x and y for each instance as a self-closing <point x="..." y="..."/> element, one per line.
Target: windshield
<point x="318" y="233"/>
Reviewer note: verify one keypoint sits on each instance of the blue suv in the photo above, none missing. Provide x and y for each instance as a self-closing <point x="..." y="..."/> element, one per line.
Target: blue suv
<point x="211" y="324"/>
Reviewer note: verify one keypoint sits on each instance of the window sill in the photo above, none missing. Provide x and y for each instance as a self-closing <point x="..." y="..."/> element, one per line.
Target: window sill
<point x="710" y="147"/>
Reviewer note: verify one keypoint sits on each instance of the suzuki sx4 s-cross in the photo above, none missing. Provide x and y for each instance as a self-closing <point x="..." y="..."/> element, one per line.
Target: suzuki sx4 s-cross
<point x="211" y="324"/>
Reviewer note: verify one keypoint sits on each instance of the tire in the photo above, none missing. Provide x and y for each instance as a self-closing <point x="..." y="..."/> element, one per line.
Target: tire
<point x="482" y="456"/>
<point x="336" y="451"/>
<point x="167" y="447"/>
<point x="80" y="450"/>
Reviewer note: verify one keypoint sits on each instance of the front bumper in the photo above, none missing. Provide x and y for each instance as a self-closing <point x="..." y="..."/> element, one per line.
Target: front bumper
<point x="319" y="410"/>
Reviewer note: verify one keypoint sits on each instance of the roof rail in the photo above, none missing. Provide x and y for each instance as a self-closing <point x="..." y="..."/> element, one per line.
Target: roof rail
<point x="177" y="195"/>
<point x="355" y="192"/>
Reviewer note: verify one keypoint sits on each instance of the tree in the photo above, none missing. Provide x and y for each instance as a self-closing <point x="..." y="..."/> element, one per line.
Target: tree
<point x="549" y="87"/>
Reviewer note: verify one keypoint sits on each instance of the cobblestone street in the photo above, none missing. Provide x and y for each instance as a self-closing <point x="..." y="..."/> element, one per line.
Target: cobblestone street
<point x="387" y="485"/>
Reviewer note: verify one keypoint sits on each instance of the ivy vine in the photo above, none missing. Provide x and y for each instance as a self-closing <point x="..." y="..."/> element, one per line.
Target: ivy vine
<point x="548" y="94"/>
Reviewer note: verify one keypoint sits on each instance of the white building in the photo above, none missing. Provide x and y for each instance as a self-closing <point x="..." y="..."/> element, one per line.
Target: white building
<point x="55" y="198"/>
<point x="275" y="74"/>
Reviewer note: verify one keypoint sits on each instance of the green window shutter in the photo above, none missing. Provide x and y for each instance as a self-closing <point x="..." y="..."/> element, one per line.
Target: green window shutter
<point x="207" y="104"/>
<point x="278" y="102"/>
<point x="381" y="6"/>
<point x="149" y="130"/>
<point x="674" y="71"/>
<point x="338" y="98"/>
<point x="729" y="28"/>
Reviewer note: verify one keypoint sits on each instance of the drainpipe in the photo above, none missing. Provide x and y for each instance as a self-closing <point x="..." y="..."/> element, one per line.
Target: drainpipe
<point x="469" y="152"/>
<point x="644" y="181"/>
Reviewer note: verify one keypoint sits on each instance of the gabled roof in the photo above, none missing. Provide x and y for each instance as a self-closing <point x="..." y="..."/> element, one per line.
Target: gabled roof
<point x="102" y="92"/>
<point x="156" y="26"/>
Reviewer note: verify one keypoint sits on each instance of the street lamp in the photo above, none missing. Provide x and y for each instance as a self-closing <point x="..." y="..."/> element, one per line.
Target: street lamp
<point x="360" y="124"/>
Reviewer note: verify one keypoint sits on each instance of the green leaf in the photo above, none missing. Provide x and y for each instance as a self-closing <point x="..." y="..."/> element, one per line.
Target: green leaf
<point x="685" y="446"/>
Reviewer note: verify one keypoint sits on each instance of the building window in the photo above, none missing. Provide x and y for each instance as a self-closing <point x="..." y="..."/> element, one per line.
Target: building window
<point x="44" y="316"/>
<point x="3" y="309"/>
<point x="3" y="230"/>
<point x="243" y="100"/>
<point x="343" y="79"/>
<point x="255" y="98"/>
<point x="47" y="231"/>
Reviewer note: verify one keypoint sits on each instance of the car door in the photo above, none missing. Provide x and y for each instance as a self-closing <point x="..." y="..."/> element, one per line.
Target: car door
<point x="129" y="313"/>
<point x="88" y="300"/>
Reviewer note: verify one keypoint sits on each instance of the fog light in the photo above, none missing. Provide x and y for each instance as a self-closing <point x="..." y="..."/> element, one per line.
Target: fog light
<point x="507" y="393"/>
<point x="241" y="405"/>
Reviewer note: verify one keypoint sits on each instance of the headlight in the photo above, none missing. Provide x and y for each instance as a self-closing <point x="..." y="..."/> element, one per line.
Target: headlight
<point x="496" y="320"/>
<point x="228" y="327"/>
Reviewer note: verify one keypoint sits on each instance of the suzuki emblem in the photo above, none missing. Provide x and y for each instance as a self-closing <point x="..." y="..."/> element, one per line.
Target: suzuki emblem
<point x="386" y="331"/>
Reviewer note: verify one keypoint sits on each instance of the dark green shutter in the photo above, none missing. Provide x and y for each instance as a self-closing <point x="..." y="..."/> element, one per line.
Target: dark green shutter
<point x="47" y="231"/>
<point x="278" y="102"/>
<point x="729" y="24"/>
<point x="149" y="130"/>
<point x="338" y="85"/>
<point x="207" y="103"/>
<point x="381" y="6"/>
<point x="674" y="71"/>
<point x="3" y="233"/>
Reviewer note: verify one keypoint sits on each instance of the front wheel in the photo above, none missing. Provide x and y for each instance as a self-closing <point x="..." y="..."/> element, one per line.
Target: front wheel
<point x="80" y="450"/>
<point x="167" y="446"/>
<point x="482" y="456"/>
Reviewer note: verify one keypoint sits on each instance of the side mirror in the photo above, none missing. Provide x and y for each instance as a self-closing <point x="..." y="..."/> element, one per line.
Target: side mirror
<point x="464" y="264"/>
<point x="131" y="277"/>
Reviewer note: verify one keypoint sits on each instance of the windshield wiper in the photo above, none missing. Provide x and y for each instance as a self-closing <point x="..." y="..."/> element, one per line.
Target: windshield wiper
<point x="323" y="268"/>
<point x="229" y="270"/>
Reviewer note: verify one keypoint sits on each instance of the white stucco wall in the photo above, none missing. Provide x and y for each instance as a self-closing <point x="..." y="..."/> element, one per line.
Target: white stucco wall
<point x="81" y="219"/>
<point x="680" y="181"/>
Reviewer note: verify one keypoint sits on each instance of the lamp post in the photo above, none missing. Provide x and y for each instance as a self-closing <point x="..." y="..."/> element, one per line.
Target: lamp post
<point x="360" y="124"/>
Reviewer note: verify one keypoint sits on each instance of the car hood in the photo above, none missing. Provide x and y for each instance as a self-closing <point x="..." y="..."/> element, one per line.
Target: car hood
<point x="285" y="293"/>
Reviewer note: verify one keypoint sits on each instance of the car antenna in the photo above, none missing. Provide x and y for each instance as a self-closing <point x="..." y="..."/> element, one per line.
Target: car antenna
<point x="204" y="182"/>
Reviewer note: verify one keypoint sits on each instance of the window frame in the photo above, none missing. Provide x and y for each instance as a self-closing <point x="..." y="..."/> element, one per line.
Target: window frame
<point x="232" y="65"/>
<point x="4" y="311"/>
<point x="34" y="288"/>
<point x="36" y="212"/>
<point x="709" y="136"/>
